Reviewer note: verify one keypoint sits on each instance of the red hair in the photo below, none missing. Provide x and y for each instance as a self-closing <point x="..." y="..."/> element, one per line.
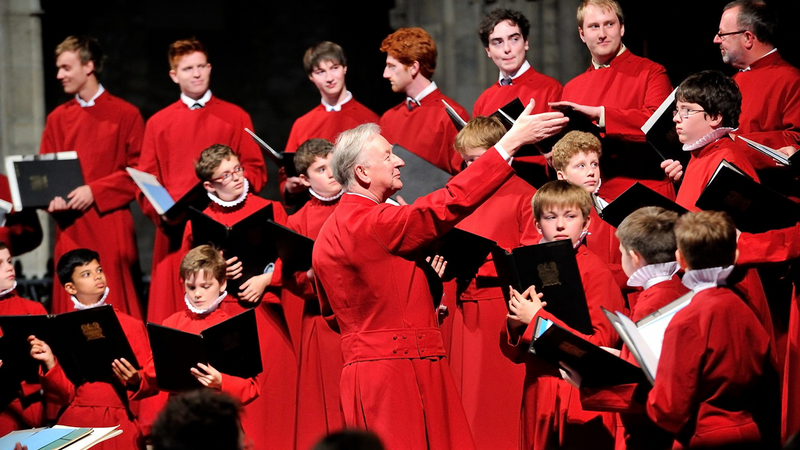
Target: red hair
<point x="412" y="44"/>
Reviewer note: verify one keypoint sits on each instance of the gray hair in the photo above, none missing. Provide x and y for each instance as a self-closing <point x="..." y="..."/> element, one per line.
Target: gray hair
<point x="758" y="18"/>
<point x="348" y="152"/>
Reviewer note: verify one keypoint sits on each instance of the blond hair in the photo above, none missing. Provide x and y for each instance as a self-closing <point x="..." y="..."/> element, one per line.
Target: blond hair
<point x="603" y="5"/>
<point x="561" y="194"/>
<point x="203" y="258"/>
<point x="480" y="132"/>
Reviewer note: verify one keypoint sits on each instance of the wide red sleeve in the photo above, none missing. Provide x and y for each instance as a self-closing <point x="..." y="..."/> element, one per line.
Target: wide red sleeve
<point x="773" y="246"/>
<point x="245" y="390"/>
<point x="57" y="388"/>
<point x="626" y="123"/>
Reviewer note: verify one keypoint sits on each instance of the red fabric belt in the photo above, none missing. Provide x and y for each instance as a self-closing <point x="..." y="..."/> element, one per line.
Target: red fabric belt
<point x="397" y="343"/>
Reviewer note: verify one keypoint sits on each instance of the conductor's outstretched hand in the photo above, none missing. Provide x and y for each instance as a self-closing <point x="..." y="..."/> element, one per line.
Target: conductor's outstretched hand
<point x="532" y="128"/>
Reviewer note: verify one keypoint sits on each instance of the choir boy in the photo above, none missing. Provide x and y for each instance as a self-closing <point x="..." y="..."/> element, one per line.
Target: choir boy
<point x="97" y="403"/>
<point x="106" y="132"/>
<point x="619" y="92"/>
<point x="420" y="123"/>
<point x="26" y="410"/>
<point x="551" y="410"/>
<point x="490" y="384"/>
<point x="173" y="140"/>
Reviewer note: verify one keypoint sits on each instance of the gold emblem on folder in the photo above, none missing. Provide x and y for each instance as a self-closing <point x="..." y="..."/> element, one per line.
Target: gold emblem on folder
<point x="38" y="182"/>
<point x="548" y="273"/>
<point x="737" y="200"/>
<point x="571" y="349"/>
<point x="92" y="331"/>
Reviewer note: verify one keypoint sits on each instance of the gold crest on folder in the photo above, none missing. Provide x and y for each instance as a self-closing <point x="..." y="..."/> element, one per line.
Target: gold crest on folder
<point x="92" y="331"/>
<point x="38" y="182"/>
<point x="548" y="273"/>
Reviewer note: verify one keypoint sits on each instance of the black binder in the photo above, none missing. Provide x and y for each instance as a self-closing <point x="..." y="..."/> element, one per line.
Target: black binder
<point x="753" y="207"/>
<point x="659" y="130"/>
<point x="635" y="197"/>
<point x="553" y="269"/>
<point x="294" y="249"/>
<point x="196" y="197"/>
<point x="249" y="240"/>
<point x="35" y="180"/>
<point x="232" y="347"/>
<point x="281" y="159"/>
<point x="464" y="252"/>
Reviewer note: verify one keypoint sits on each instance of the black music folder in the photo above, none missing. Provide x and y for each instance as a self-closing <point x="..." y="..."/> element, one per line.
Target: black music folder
<point x="635" y="197"/>
<point x="464" y="252"/>
<point x="249" y="240"/>
<point x="159" y="197"/>
<point x="231" y="347"/>
<point x="281" y="159"/>
<point x="659" y="130"/>
<point x="553" y="269"/>
<point x="419" y="176"/>
<point x="597" y="367"/>
<point x="294" y="249"/>
<point x="35" y="180"/>
<point x="753" y="207"/>
<point x="85" y="342"/>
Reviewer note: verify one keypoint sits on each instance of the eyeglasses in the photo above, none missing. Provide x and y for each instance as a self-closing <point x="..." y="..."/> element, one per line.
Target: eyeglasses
<point x="226" y="177"/>
<point x="722" y="35"/>
<point x="686" y="112"/>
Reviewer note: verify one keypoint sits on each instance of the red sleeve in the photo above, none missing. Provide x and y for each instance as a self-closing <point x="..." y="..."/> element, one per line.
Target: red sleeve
<point x="770" y="247"/>
<point x="56" y="386"/>
<point x="626" y="124"/>
<point x="620" y="398"/>
<point x="243" y="389"/>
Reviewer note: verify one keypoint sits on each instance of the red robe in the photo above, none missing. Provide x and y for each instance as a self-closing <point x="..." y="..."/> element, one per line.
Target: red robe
<point x="778" y="246"/>
<point x="602" y="241"/>
<point x="630" y="90"/>
<point x="320" y="353"/>
<point x="372" y="286"/>
<point x="173" y="140"/>
<point x="711" y="384"/>
<point x="551" y="409"/>
<point x="270" y="418"/>
<point x="490" y="384"/>
<point x="100" y="404"/>
<point x="15" y="416"/>
<point x="703" y="164"/>
<point x="529" y="85"/>
<point x="426" y="130"/>
<point x="108" y="138"/>
<point x="22" y="231"/>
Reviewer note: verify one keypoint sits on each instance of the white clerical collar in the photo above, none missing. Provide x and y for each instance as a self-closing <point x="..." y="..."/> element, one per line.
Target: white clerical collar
<point x="431" y="87"/>
<point x="90" y="102"/>
<point x="710" y="138"/>
<point x="337" y="107"/>
<point x="698" y="280"/>
<point x="210" y="308"/>
<point x="765" y="54"/>
<point x="652" y="274"/>
<point x="231" y="203"/>
<point x="603" y="66"/>
<point x="80" y="306"/>
<point x="190" y="102"/>
<point x="9" y="290"/>
<point x="524" y="68"/>
<point x="325" y="199"/>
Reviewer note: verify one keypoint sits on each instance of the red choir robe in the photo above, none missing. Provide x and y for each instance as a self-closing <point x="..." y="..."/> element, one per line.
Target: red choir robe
<point x="426" y="130"/>
<point x="631" y="89"/>
<point x="602" y="241"/>
<point x="778" y="246"/>
<point x="490" y="384"/>
<point x="108" y="138"/>
<point x="22" y="231"/>
<point x="635" y="431"/>
<point x="173" y="140"/>
<point x="551" y="411"/>
<point x="529" y="85"/>
<point x="18" y="414"/>
<point x="100" y="403"/>
<point x="372" y="287"/>
<point x="270" y="418"/>
<point x="320" y="351"/>
<point x="713" y="386"/>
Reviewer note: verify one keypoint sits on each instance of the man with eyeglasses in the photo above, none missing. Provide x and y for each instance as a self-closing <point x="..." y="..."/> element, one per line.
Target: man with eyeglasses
<point x="770" y="86"/>
<point x="619" y="92"/>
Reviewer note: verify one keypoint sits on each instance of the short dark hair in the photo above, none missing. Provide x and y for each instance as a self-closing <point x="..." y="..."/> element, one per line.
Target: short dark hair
<point x="758" y="18"/>
<point x="210" y="160"/>
<point x="72" y="260"/>
<point x="715" y="92"/>
<point x="203" y="258"/>
<point x="650" y="231"/>
<point x="87" y="48"/>
<point x="501" y="15"/>
<point x="309" y="151"/>
<point x="350" y="440"/>
<point x="321" y="52"/>
<point x="198" y="419"/>
<point x="706" y="239"/>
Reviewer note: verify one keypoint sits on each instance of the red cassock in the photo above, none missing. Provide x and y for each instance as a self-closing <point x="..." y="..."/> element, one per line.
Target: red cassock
<point x="778" y="246"/>
<point x="529" y="85"/>
<point x="631" y="89"/>
<point x="490" y="384"/>
<point x="551" y="411"/>
<point x="22" y="231"/>
<point x="713" y="384"/>
<point x="320" y="355"/>
<point x="15" y="416"/>
<point x="372" y="286"/>
<point x="108" y="138"/>
<point x="100" y="404"/>
<point x="426" y="130"/>
<point x="635" y="431"/>
<point x="174" y="138"/>
<point x="770" y="106"/>
<point x="319" y="123"/>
